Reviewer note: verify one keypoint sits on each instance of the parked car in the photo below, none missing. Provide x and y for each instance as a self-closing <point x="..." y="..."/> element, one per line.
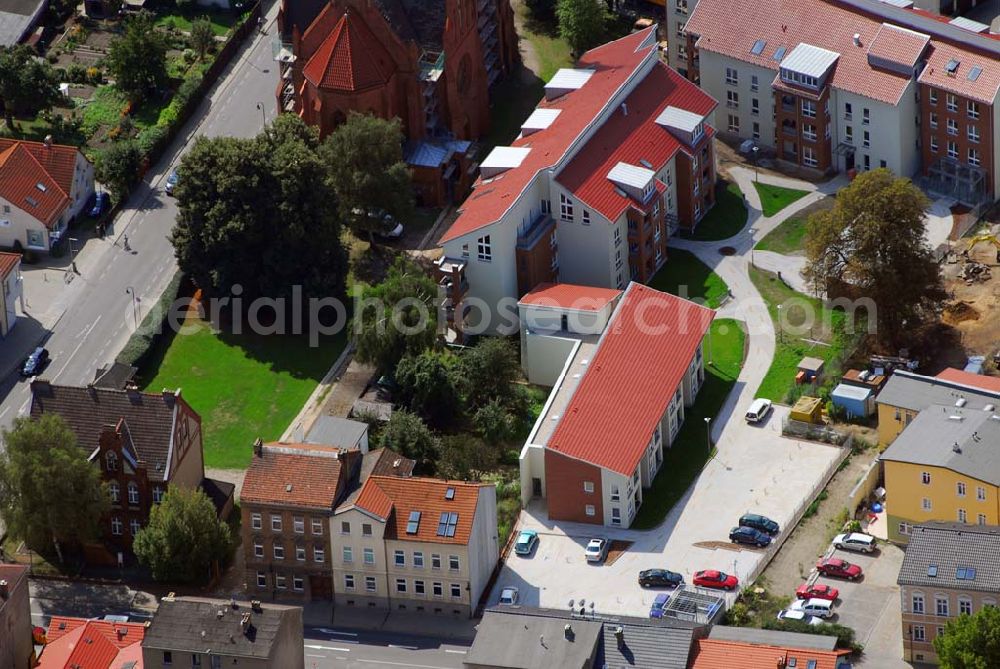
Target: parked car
<point x="100" y="203"/>
<point x="798" y="616"/>
<point x="171" y="182"/>
<point x="759" y="522"/>
<point x="388" y="228"/>
<point x="35" y="362"/>
<point x="526" y="541"/>
<point x="817" y="591"/>
<point x="597" y="550"/>
<point x="508" y="596"/>
<point x="758" y="410"/>
<point x="855" y="541"/>
<point x="659" y="603"/>
<point x="821" y="608"/>
<point x="838" y="567"/>
<point x="663" y="578"/>
<point x="713" y="578"/>
<point x="749" y="536"/>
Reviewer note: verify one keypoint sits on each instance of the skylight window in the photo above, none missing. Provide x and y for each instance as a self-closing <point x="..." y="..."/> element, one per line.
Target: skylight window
<point x="965" y="573"/>
<point x="447" y="524"/>
<point x="758" y="47"/>
<point x="449" y="493"/>
<point x="32" y="201"/>
<point x="413" y="524"/>
<point x="40" y="186"/>
<point x="780" y="53"/>
<point x="932" y="570"/>
<point x="974" y="73"/>
<point x="952" y="66"/>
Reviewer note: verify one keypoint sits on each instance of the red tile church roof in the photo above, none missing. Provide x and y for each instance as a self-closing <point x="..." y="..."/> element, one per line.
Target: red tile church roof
<point x="346" y="59"/>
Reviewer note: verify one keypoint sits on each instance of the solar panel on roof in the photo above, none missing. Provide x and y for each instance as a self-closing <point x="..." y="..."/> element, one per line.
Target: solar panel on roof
<point x="758" y="47"/>
<point x="974" y="73"/>
<point x="780" y="53"/>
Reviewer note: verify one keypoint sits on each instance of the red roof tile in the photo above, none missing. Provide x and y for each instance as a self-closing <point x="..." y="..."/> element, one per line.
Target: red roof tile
<point x="8" y="261"/>
<point x="59" y="160"/>
<point x="20" y="177"/>
<point x="348" y="59"/>
<point x="613" y="64"/>
<point x="990" y="383"/>
<point x="121" y="635"/>
<point x="374" y="500"/>
<point x="301" y="475"/>
<point x="83" y="647"/>
<point x="722" y="654"/>
<point x="983" y="89"/>
<point x="898" y="45"/>
<point x="642" y="358"/>
<point x="632" y="138"/>
<point x="570" y="296"/>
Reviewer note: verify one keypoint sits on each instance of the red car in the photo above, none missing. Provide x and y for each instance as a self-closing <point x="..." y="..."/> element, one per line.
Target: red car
<point x="712" y="578"/>
<point x="817" y="591"/>
<point x="838" y="567"/>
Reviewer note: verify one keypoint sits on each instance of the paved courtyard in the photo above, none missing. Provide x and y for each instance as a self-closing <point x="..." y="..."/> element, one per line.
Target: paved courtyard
<point x="756" y="470"/>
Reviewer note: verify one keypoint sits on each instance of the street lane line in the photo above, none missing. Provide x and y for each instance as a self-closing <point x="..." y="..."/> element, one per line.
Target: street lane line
<point x="327" y="630"/>
<point x="318" y="647"/>
<point x="448" y="650"/>
<point x="392" y="645"/>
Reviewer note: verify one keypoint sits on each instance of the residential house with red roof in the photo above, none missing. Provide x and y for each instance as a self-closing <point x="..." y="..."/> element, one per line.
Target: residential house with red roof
<point x="617" y="404"/>
<point x="91" y="644"/>
<point x="841" y="85"/>
<point x="12" y="292"/>
<point x="616" y="158"/>
<point x="750" y="648"/>
<point x="43" y="186"/>
<point x="416" y="544"/>
<point x="17" y="649"/>
<point x="432" y="65"/>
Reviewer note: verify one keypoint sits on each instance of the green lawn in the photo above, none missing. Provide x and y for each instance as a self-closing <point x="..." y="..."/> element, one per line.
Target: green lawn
<point x="790" y="236"/>
<point x="688" y="454"/>
<point x="684" y="275"/>
<point x="244" y="386"/>
<point x="775" y="198"/>
<point x="792" y="347"/>
<point x="172" y="18"/>
<point x="104" y="109"/>
<point x="726" y="218"/>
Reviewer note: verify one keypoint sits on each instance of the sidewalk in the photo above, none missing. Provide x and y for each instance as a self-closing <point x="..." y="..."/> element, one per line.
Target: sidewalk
<point x="415" y="624"/>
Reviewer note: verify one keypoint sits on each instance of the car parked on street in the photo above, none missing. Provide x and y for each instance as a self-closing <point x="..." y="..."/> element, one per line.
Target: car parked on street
<point x="659" y="603"/>
<point x="817" y="591"/>
<point x="713" y="578"/>
<point x="100" y="203"/>
<point x="749" y="536"/>
<point x="794" y="615"/>
<point x="171" y="182"/>
<point x="660" y="578"/>
<point x="837" y="567"/>
<point x="508" y="596"/>
<point x="597" y="550"/>
<point x="35" y="362"/>
<point x="821" y="608"/>
<point x="526" y="541"/>
<point x="855" y="541"/>
<point x="758" y="410"/>
<point x="759" y="522"/>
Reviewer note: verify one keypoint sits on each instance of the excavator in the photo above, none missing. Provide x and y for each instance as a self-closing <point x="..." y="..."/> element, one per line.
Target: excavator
<point x="984" y="238"/>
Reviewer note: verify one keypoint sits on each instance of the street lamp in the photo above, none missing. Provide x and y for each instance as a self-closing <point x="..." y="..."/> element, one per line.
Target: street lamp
<point x="135" y="316"/>
<point x="756" y="170"/>
<point x="263" y="116"/>
<point x="781" y="333"/>
<point x="72" y="253"/>
<point x="708" y="432"/>
<point x="752" y="232"/>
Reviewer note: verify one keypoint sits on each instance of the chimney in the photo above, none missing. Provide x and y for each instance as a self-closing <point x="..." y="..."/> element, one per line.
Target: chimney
<point x="620" y="636"/>
<point x="258" y="447"/>
<point x="4" y="589"/>
<point x="132" y="391"/>
<point x="541" y="640"/>
<point x="568" y="631"/>
<point x="857" y="39"/>
<point x="245" y="622"/>
<point x="255" y="606"/>
<point x="624" y="109"/>
<point x="955" y="447"/>
<point x="48" y="141"/>
<point x="220" y="614"/>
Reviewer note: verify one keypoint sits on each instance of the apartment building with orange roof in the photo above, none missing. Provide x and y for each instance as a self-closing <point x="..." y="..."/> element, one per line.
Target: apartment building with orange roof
<point x="91" y="644"/>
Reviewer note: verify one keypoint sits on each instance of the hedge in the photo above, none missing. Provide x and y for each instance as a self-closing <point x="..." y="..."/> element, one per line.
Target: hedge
<point x="151" y="328"/>
<point x="844" y="634"/>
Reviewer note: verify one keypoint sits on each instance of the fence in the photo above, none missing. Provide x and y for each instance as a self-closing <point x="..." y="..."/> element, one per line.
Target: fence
<point x="864" y="487"/>
<point x="812" y="432"/>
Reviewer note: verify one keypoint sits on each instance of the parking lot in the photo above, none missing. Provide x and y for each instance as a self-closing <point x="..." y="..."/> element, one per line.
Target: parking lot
<point x="756" y="470"/>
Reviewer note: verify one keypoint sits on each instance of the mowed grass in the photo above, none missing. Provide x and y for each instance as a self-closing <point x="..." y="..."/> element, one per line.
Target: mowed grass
<point x="684" y="275"/>
<point x="221" y="21"/>
<point x="726" y="218"/>
<point x="775" y="198"/>
<point x="686" y="457"/>
<point x="243" y="386"/>
<point x="792" y="337"/>
<point x="790" y="236"/>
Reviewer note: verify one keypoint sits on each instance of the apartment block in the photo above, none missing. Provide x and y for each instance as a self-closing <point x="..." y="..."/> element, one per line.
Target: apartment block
<point x="91" y="644"/>
<point x="616" y="158"/>
<point x="603" y="387"/>
<point x="415" y="544"/>
<point x="948" y="571"/>
<point x="844" y="85"/>
<point x="17" y="649"/>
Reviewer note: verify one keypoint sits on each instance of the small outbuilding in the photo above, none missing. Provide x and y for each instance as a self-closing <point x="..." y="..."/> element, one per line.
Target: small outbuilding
<point x="809" y="370"/>
<point x="807" y="410"/>
<point x="857" y="402"/>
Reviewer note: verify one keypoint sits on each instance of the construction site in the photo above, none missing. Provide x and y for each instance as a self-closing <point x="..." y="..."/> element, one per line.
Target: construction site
<point x="971" y="272"/>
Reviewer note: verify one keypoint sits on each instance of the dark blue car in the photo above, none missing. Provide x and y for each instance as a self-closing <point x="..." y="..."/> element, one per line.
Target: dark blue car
<point x="100" y="203"/>
<point x="748" y="535"/>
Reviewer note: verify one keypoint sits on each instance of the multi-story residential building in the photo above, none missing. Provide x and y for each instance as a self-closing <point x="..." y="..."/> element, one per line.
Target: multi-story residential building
<point x="12" y="293"/>
<point x="430" y="64"/>
<point x="143" y="443"/>
<point x="17" y="649"/>
<point x="605" y="387"/>
<point x="212" y="633"/>
<point x="91" y="644"/>
<point x="43" y="186"/>
<point x="944" y="466"/>
<point x="841" y="85"/>
<point x="416" y="544"/>
<point x="616" y="158"/>
<point x="750" y="648"/>
<point x="949" y="570"/>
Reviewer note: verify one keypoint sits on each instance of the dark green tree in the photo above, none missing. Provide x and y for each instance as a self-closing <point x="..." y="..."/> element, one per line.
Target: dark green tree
<point x="202" y="37"/>
<point x="406" y="434"/>
<point x="971" y="642"/>
<point x="490" y="371"/>
<point x="137" y="59"/>
<point x="397" y="317"/>
<point x="184" y="538"/>
<point x="28" y="84"/>
<point x="873" y="241"/>
<point x="50" y="494"/>
<point x="364" y="157"/>
<point x="427" y="387"/>
<point x="494" y="422"/>
<point x="581" y="23"/>
<point x="465" y="458"/>
<point x="117" y="167"/>
<point x="257" y="213"/>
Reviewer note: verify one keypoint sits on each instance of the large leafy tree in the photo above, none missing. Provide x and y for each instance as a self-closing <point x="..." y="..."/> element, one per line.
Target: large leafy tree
<point x="971" y="642"/>
<point x="257" y="213"/>
<point x="138" y="58"/>
<point x="50" y="494"/>
<point x="118" y="167"/>
<point x="397" y="317"/>
<point x="405" y="433"/>
<point x="184" y="537"/>
<point x="490" y="371"/>
<point x="364" y="157"/>
<point x="427" y="387"/>
<point x="873" y="241"/>
<point x="202" y="36"/>
<point x="581" y="22"/>
<point x="28" y="84"/>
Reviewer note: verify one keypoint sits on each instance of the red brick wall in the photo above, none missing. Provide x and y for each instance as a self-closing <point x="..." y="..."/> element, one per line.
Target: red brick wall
<point x="564" y="478"/>
<point x="983" y="123"/>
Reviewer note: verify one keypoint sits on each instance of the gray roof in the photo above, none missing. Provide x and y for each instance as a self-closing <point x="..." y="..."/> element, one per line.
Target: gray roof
<point x="947" y="547"/>
<point x="917" y="392"/>
<point x="336" y="431"/>
<point x="810" y="60"/>
<point x="15" y="19"/>
<point x="773" y="638"/>
<point x="645" y="644"/>
<point x="197" y="625"/>
<point x="966" y="441"/>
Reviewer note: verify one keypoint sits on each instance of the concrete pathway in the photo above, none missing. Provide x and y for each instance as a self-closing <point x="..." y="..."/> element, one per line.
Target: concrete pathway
<point x="789" y="267"/>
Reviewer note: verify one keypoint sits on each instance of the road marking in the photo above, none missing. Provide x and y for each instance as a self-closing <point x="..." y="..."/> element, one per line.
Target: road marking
<point x="4" y="412"/>
<point x="318" y="647"/>
<point x="403" y="664"/>
<point x="314" y="655"/>
<point x="449" y="650"/>
<point x="326" y="630"/>
<point x="82" y="340"/>
<point x="392" y="645"/>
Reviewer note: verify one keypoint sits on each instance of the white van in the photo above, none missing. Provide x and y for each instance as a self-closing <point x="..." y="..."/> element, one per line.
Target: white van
<point x="758" y="410"/>
<point x="821" y="608"/>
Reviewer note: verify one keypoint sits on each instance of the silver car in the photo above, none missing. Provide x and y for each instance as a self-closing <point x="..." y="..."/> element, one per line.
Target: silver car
<point x="597" y="550"/>
<point x="855" y="541"/>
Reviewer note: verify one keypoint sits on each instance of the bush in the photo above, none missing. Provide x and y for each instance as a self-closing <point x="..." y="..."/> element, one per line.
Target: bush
<point x="188" y="88"/>
<point x="77" y="74"/>
<point x="150" y="139"/>
<point x="151" y="328"/>
<point x="95" y="76"/>
<point x="169" y="114"/>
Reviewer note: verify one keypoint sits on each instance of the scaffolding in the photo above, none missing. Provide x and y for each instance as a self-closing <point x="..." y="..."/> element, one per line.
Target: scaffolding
<point x="950" y="178"/>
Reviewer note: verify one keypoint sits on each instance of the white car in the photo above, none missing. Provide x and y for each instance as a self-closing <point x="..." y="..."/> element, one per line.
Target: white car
<point x="758" y="410"/>
<point x="508" y="596"/>
<point x="821" y="608"/>
<point x="597" y="550"/>
<point x="855" y="541"/>
<point x="798" y="616"/>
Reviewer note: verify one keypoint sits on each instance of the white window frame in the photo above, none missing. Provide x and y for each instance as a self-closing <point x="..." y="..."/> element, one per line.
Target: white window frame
<point x="256" y="521"/>
<point x="589" y="510"/>
<point x="960" y="488"/>
<point x="133" y="493"/>
<point x="972" y="109"/>
<point x="348" y="581"/>
<point x="484" y="249"/>
<point x="565" y="207"/>
<point x="368" y="555"/>
<point x="370" y="584"/>
<point x="972" y="133"/>
<point x="454" y="564"/>
<point x="809" y="109"/>
<point x="319" y="554"/>
<point x="347" y="554"/>
<point x="399" y="558"/>
<point x="300" y="553"/>
<point x="732" y="76"/>
<point x="258" y="549"/>
<point x="278" y="551"/>
<point x="275" y="522"/>
<point x="298" y="524"/>
<point x="917" y="603"/>
<point x="588" y="487"/>
<point x="951" y="102"/>
<point x="317" y="526"/>
<point x="926" y="504"/>
<point x="942" y="603"/>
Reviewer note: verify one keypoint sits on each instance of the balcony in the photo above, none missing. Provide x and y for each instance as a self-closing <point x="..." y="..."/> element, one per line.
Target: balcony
<point x="452" y="284"/>
<point x="538" y="229"/>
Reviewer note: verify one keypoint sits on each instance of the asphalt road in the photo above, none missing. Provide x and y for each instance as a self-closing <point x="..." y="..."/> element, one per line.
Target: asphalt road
<point x="99" y="318"/>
